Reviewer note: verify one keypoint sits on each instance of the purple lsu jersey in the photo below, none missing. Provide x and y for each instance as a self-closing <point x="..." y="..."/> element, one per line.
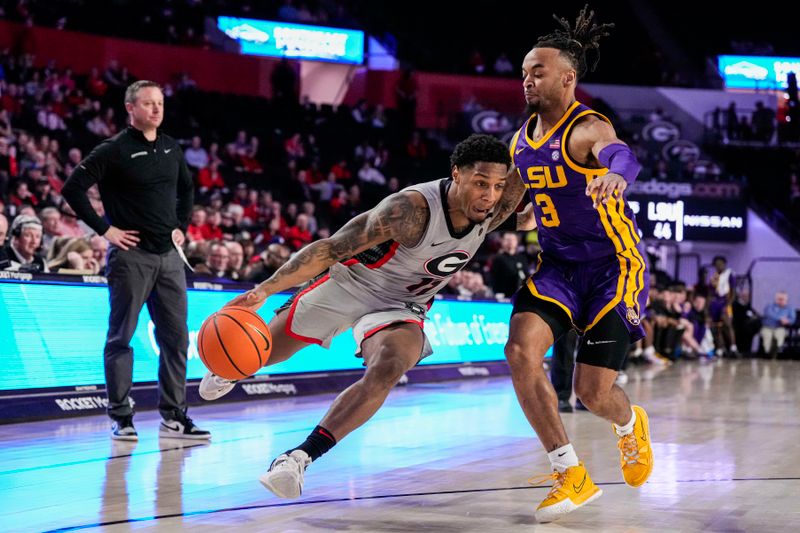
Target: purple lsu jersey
<point x="570" y="227"/>
<point x="590" y="263"/>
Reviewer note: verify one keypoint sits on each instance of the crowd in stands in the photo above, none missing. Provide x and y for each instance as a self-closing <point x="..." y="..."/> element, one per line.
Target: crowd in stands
<point x="761" y="125"/>
<point x="261" y="193"/>
<point x="712" y="319"/>
<point x="763" y="145"/>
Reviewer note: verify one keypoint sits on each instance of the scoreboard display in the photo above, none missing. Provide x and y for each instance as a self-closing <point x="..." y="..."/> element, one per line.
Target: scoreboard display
<point x="690" y="219"/>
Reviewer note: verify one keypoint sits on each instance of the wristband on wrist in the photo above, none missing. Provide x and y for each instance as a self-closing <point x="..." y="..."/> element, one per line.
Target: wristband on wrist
<point x="619" y="159"/>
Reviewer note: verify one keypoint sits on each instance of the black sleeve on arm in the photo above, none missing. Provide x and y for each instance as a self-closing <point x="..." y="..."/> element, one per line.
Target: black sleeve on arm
<point x="185" y="193"/>
<point x="90" y="171"/>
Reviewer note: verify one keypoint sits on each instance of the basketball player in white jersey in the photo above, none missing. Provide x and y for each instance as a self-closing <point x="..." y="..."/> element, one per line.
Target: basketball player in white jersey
<point x="381" y="271"/>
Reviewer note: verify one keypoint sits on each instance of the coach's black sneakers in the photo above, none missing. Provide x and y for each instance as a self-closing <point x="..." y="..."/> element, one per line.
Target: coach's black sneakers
<point x="180" y="426"/>
<point x="122" y="429"/>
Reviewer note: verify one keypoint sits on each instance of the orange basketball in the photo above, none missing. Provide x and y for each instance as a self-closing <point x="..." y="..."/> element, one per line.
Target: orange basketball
<point x="234" y="343"/>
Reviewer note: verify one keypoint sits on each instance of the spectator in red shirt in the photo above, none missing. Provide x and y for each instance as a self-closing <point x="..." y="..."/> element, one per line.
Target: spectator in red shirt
<point x="254" y="212"/>
<point x="339" y="202"/>
<point x="314" y="174"/>
<point x="209" y="179"/>
<point x="12" y="99"/>
<point x="95" y="85"/>
<point x="8" y="165"/>
<point x="51" y="175"/>
<point x="294" y="147"/>
<point x="249" y="158"/>
<point x="212" y="230"/>
<point x="299" y="234"/>
<point x="196" y="223"/>
<point x="341" y="171"/>
<point x="66" y="80"/>
<point x="22" y="195"/>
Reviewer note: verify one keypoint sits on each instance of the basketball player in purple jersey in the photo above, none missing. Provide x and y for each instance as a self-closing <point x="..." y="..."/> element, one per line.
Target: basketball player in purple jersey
<point x="381" y="272"/>
<point x="590" y="274"/>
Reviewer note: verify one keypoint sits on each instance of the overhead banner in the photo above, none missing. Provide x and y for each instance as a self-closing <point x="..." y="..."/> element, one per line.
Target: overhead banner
<point x="757" y="72"/>
<point x="297" y="41"/>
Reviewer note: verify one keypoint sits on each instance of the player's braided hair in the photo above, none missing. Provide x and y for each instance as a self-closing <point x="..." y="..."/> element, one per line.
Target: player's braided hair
<point x="479" y="147"/>
<point x="575" y="42"/>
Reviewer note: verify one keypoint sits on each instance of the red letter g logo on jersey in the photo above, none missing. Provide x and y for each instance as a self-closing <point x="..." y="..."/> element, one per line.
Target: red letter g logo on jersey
<point x="448" y="264"/>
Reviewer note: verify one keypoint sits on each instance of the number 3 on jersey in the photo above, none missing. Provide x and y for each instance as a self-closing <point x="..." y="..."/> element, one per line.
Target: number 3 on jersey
<point x="549" y="213"/>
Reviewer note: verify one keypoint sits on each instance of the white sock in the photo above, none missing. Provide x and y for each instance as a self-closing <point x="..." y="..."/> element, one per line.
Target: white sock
<point x="627" y="429"/>
<point x="649" y="351"/>
<point x="734" y="348"/>
<point x="563" y="458"/>
<point x="637" y="352"/>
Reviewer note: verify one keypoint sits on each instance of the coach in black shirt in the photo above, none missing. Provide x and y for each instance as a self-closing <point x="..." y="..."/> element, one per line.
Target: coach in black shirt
<point x="509" y="268"/>
<point x="147" y="194"/>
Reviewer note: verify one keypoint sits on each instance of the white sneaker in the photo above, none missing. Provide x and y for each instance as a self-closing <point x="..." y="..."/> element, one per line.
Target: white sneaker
<point x="182" y="428"/>
<point x="213" y="386"/>
<point x="622" y="378"/>
<point x="285" y="476"/>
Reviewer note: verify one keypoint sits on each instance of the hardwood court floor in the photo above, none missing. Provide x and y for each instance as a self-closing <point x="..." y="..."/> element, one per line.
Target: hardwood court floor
<point x="448" y="457"/>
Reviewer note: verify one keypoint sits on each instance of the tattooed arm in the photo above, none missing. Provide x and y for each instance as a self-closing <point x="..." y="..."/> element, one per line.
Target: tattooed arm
<point x="512" y="196"/>
<point x="402" y="217"/>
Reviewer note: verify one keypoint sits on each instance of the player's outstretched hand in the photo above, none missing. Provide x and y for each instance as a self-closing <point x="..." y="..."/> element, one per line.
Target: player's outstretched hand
<point x="604" y="187"/>
<point x="252" y="299"/>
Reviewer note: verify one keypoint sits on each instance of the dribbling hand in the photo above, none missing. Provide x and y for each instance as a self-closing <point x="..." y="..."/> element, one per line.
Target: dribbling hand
<point x="122" y="238"/>
<point x="252" y="299"/>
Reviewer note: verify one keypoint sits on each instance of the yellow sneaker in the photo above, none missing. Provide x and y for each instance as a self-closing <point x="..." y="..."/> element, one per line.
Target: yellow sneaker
<point x="636" y="451"/>
<point x="571" y="489"/>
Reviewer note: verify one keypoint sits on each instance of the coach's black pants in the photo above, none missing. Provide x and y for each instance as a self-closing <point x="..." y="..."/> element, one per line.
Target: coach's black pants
<point x="136" y="277"/>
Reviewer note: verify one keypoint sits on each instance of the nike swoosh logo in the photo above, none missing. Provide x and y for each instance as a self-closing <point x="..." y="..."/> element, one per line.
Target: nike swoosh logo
<point x="590" y="343"/>
<point x="176" y="428"/>
<point x="520" y="150"/>
<point x="438" y="243"/>
<point x="562" y="454"/>
<point x="579" y="488"/>
<point x="137" y="154"/>
<point x="644" y="433"/>
<point x="167" y="151"/>
<point x="261" y="334"/>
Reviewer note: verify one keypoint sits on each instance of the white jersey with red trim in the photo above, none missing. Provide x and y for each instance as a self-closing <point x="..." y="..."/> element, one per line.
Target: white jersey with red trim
<point x="394" y="272"/>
